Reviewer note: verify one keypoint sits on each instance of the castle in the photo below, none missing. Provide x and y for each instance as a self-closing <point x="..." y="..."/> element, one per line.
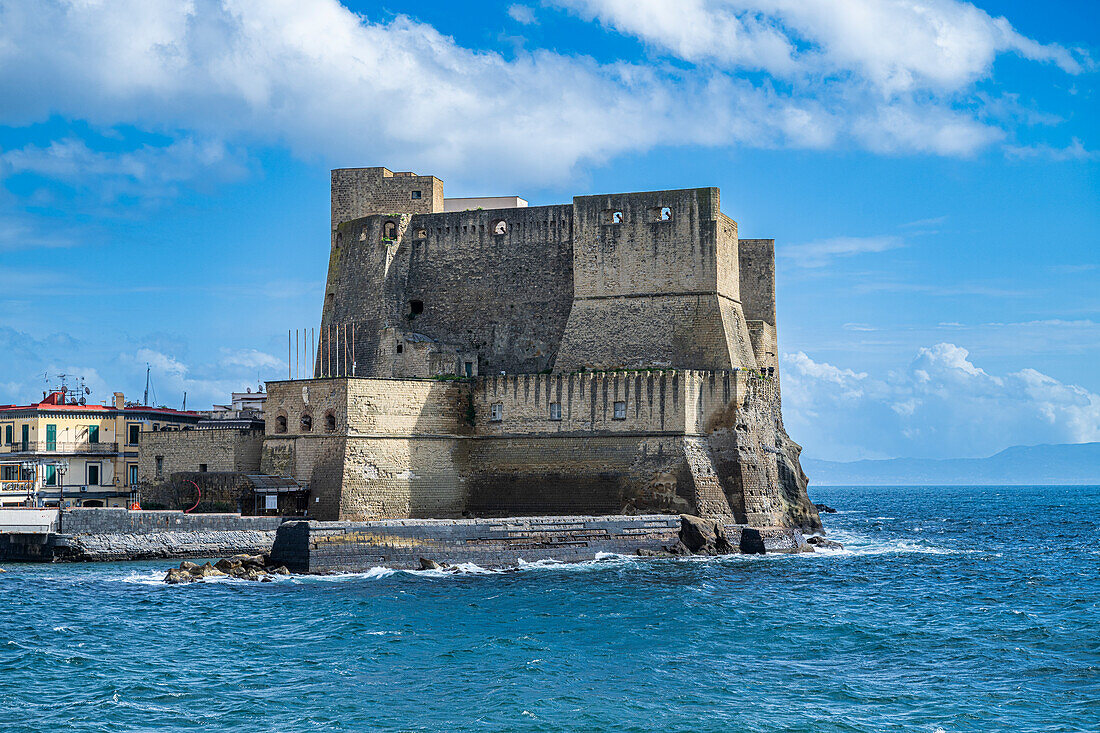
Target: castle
<point x="482" y="357"/>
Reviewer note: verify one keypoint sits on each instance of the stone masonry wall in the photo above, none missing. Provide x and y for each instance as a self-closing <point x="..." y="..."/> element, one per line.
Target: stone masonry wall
<point x="687" y="441"/>
<point x="236" y="450"/>
<point x="654" y="292"/>
<point x="358" y="192"/>
<point x="504" y="298"/>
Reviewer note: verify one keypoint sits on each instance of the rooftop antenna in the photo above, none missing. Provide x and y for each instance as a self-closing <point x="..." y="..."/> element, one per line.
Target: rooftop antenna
<point x="146" y="400"/>
<point x="184" y="401"/>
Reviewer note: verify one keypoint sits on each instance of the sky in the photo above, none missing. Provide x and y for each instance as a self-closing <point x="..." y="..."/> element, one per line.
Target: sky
<point x="928" y="169"/>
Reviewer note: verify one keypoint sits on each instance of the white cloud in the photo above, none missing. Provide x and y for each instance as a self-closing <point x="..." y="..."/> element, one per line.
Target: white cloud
<point x="940" y="405"/>
<point x="311" y="75"/>
<point x="522" y="14"/>
<point x="148" y="169"/>
<point x="820" y="252"/>
<point x="896" y="45"/>
<point x="1076" y="150"/>
<point x="205" y="384"/>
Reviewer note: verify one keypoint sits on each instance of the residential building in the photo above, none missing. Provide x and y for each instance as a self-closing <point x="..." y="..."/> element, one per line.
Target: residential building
<point x="59" y="450"/>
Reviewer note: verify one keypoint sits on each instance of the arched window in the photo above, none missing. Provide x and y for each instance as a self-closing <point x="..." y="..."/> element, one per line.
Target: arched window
<point x="330" y="423"/>
<point x="389" y="230"/>
<point x="307" y="423"/>
<point x="280" y="424"/>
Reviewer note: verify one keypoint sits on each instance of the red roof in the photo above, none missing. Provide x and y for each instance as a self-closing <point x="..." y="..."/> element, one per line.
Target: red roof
<point x="55" y="401"/>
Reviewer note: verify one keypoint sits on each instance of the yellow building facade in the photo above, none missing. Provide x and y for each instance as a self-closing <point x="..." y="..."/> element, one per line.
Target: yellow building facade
<point x="59" y="451"/>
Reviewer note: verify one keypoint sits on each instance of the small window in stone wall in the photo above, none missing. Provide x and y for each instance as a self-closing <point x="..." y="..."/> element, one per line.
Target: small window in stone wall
<point x="416" y="194"/>
<point x="307" y="423"/>
<point x="555" y="411"/>
<point x="664" y="214"/>
<point x="500" y="227"/>
<point x="400" y="348"/>
<point x="612" y="217"/>
<point x="389" y="231"/>
<point x="160" y="466"/>
<point x="421" y="233"/>
<point x="496" y="412"/>
<point x="330" y="423"/>
<point x="280" y="424"/>
<point x="202" y="468"/>
<point x="620" y="410"/>
<point x="416" y="307"/>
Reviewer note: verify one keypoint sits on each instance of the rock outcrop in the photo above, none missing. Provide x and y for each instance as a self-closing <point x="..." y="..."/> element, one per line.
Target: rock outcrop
<point x="243" y="567"/>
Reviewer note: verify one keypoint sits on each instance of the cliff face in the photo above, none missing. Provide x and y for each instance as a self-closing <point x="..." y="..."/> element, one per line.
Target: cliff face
<point x="758" y="463"/>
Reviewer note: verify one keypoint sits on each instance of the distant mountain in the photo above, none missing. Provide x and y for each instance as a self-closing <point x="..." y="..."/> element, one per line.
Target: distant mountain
<point x="1077" y="463"/>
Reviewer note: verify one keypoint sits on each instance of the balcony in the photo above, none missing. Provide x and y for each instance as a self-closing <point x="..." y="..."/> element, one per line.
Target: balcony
<point x="55" y="447"/>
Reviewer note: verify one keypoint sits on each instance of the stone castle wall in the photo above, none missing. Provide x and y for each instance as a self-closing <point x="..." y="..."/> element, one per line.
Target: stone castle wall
<point x="686" y="441"/>
<point x="502" y="298"/>
<point x="235" y="450"/>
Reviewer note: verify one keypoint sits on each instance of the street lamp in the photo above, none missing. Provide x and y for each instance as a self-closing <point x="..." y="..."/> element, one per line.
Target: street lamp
<point x="60" y="468"/>
<point x="28" y="474"/>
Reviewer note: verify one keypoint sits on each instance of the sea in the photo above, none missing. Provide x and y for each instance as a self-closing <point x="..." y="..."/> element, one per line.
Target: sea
<point x="949" y="609"/>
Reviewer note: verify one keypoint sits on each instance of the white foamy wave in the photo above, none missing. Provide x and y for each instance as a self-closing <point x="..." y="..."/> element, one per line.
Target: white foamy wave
<point x="857" y="544"/>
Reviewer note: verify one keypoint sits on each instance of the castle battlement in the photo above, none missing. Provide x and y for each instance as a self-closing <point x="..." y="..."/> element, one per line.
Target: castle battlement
<point x="630" y="280"/>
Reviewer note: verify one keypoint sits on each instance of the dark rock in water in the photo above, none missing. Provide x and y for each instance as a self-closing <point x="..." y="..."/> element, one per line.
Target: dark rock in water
<point x="426" y="564"/>
<point x="825" y="509"/>
<point x="819" y="541"/>
<point x="678" y="548"/>
<point x="250" y="561"/>
<point x="243" y="567"/>
<point x="227" y="565"/>
<point x="180" y="575"/>
<point x="752" y="542"/>
<point x="703" y="536"/>
<point x="696" y="533"/>
<point x="207" y="571"/>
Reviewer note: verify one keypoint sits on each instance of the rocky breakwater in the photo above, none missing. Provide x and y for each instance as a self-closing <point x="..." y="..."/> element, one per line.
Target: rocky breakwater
<point x="242" y="567"/>
<point x="703" y="536"/>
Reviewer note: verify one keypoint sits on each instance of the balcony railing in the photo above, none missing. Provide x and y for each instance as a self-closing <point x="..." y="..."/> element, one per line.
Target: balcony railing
<point x="59" y="447"/>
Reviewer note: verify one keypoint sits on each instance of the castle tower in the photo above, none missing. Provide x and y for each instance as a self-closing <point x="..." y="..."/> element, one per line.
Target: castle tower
<point x="655" y="284"/>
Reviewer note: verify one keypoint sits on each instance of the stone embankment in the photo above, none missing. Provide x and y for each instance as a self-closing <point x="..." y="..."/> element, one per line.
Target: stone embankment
<point x="331" y="547"/>
<point x="106" y="534"/>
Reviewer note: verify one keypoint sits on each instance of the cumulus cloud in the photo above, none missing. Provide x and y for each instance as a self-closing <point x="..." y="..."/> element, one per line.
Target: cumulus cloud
<point x="940" y="405"/>
<point x="204" y="383"/>
<point x="323" y="81"/>
<point x="896" y="45"/>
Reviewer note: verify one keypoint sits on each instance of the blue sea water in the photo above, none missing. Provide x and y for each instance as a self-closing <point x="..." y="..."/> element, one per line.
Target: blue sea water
<point x="950" y="609"/>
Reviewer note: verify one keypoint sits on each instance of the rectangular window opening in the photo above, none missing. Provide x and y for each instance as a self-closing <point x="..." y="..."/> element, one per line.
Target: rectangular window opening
<point x="416" y="194"/>
<point x="160" y="466"/>
<point x="93" y="474"/>
<point x="202" y="468"/>
<point x="133" y="432"/>
<point x="555" y="411"/>
<point x="496" y="412"/>
<point x="620" y="410"/>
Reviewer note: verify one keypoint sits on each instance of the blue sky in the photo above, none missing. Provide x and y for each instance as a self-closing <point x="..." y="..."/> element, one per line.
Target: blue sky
<point x="929" y="172"/>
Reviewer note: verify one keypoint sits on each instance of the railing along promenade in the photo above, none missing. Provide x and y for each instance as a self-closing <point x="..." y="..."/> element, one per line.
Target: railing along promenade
<point x="59" y="447"/>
